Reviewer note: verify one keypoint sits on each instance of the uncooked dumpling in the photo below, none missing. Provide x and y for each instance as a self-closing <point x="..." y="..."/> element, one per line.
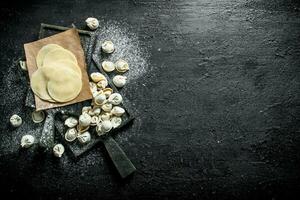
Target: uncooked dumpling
<point x="43" y="51"/>
<point x="39" y="85"/>
<point x="64" y="84"/>
<point x="63" y="63"/>
<point x="59" y="54"/>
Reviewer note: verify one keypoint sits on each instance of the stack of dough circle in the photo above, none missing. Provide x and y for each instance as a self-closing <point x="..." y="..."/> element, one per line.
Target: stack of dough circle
<point x="43" y="51"/>
<point x="58" y="77"/>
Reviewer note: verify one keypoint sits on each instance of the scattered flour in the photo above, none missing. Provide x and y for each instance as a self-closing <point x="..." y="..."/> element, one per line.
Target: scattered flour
<point x="128" y="47"/>
<point x="13" y="84"/>
<point x="13" y="102"/>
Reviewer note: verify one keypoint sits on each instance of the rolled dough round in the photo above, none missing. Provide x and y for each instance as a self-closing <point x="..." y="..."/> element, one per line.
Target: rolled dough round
<point x="38" y="84"/>
<point x="63" y="63"/>
<point x="59" y="54"/>
<point x="62" y="87"/>
<point x="43" y="51"/>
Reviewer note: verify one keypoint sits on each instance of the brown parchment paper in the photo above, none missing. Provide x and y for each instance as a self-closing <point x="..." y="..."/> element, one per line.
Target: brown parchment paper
<point x="69" y="40"/>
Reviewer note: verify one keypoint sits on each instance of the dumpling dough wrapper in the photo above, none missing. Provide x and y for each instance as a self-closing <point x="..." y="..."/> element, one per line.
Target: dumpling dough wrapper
<point x="43" y="51"/>
<point x="59" y="54"/>
<point x="63" y="88"/>
<point x="38" y="84"/>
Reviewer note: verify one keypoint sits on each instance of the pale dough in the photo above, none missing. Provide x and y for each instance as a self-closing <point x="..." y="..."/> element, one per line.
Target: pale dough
<point x="43" y="51"/>
<point x="63" y="63"/>
<point x="58" y="78"/>
<point x="64" y="84"/>
<point x="59" y="54"/>
<point x="39" y="85"/>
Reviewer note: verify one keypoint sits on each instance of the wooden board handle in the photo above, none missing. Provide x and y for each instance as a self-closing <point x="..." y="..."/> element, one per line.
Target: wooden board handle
<point x="119" y="158"/>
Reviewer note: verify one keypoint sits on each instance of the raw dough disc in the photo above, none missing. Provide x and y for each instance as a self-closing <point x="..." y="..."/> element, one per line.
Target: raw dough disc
<point x="65" y="84"/>
<point x="43" y="51"/>
<point x="52" y="72"/>
<point x="64" y="63"/>
<point x="59" y="54"/>
<point x="38" y="84"/>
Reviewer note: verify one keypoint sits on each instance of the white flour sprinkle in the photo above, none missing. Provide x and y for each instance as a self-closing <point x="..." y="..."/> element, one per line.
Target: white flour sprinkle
<point x="127" y="47"/>
<point x="13" y="87"/>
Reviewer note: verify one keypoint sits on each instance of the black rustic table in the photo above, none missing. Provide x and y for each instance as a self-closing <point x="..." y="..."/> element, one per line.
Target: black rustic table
<point x="217" y="107"/>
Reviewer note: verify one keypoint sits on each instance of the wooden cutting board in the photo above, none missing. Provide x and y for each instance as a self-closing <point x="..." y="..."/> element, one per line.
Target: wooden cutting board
<point x="69" y="40"/>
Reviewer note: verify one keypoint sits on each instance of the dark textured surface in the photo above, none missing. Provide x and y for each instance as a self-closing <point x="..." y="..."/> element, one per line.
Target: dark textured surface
<point x="218" y="112"/>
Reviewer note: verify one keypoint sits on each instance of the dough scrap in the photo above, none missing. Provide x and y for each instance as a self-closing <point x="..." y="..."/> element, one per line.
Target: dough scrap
<point x="38" y="84"/>
<point x="59" y="54"/>
<point x="43" y="51"/>
<point x="64" y="85"/>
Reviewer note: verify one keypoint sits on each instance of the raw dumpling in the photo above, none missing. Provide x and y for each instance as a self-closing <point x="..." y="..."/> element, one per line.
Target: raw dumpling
<point x="43" y="51"/>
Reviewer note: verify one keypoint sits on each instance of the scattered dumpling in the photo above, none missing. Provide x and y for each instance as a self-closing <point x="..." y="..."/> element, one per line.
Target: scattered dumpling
<point x="84" y="137"/>
<point x="97" y="76"/>
<point x="27" y="141"/>
<point x="92" y="23"/>
<point x="117" y="111"/>
<point x="95" y="120"/>
<point x="122" y="66"/>
<point x="15" y="120"/>
<point x="106" y="107"/>
<point x="99" y="130"/>
<point x="71" y="122"/>
<point x="38" y="116"/>
<point x="115" y="99"/>
<point x="116" y="121"/>
<point x="119" y="80"/>
<point x="102" y="83"/>
<point x="23" y="65"/>
<point x="103" y="127"/>
<point x="93" y="87"/>
<point x="105" y="116"/>
<point x="108" y="66"/>
<point x="58" y="150"/>
<point x="106" y="126"/>
<point x="94" y="111"/>
<point x="108" y="47"/>
<point x="107" y="92"/>
<point x="71" y="134"/>
<point x="100" y="99"/>
<point x="97" y="111"/>
<point x="85" y="120"/>
<point x="86" y="109"/>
